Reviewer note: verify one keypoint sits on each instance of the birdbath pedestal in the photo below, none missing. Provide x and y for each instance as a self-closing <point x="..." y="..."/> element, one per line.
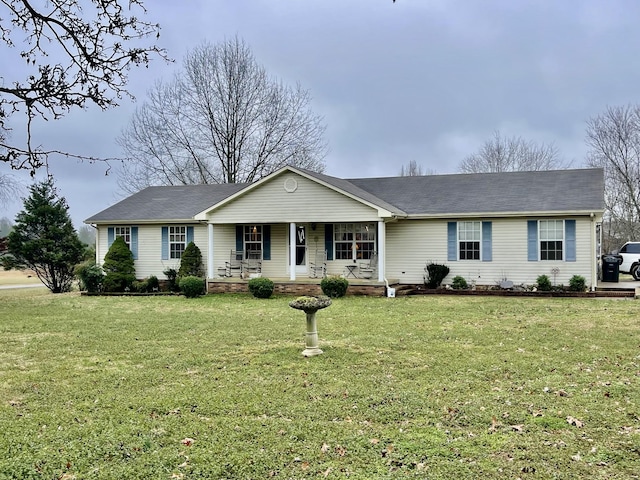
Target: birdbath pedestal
<point x="310" y="305"/>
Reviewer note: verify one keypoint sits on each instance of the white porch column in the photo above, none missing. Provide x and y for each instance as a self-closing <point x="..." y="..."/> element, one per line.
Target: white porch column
<point x="382" y="249"/>
<point x="210" y="270"/>
<point x="292" y="251"/>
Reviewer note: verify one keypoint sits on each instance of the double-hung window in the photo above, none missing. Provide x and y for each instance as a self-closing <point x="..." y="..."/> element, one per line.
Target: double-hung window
<point x="125" y="233"/>
<point x="469" y="237"/>
<point x="354" y="241"/>
<point x="551" y="237"/>
<point x="470" y="240"/>
<point x="177" y="241"/>
<point x="128" y="234"/>
<point x="252" y="241"/>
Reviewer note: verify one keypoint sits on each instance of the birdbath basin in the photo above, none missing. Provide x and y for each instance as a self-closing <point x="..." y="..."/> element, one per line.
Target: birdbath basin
<point x="310" y="305"/>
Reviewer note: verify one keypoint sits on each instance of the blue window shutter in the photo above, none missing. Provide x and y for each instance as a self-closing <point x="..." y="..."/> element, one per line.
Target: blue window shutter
<point x="266" y="242"/>
<point x="189" y="235"/>
<point x="486" y="242"/>
<point x="570" y="240"/>
<point x="328" y="240"/>
<point x="165" y="243"/>
<point x="110" y="236"/>
<point x="452" y="238"/>
<point x="532" y="240"/>
<point x="239" y="241"/>
<point x="134" y="242"/>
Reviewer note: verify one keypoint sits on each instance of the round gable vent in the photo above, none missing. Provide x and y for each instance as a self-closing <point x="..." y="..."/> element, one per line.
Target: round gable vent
<point x="290" y="185"/>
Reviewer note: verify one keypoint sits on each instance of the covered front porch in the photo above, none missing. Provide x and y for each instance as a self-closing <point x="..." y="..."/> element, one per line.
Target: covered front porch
<point x="299" y="253"/>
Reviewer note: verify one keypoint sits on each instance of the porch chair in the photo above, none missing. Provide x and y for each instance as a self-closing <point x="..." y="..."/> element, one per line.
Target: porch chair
<point x="252" y="265"/>
<point x="234" y="263"/>
<point x="369" y="268"/>
<point x="318" y="267"/>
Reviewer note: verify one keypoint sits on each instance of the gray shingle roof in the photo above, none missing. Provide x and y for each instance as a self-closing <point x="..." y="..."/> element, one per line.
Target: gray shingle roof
<point x="167" y="203"/>
<point x="458" y="194"/>
<point x="552" y="191"/>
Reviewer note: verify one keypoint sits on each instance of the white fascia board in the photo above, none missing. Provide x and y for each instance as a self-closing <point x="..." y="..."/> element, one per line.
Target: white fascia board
<point x="544" y="213"/>
<point x="144" y="222"/>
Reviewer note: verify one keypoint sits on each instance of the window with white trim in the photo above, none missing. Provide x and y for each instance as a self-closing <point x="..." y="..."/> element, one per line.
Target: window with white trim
<point x="177" y="241"/>
<point x="551" y="238"/>
<point x="252" y="241"/>
<point x="125" y="233"/>
<point x="469" y="237"/>
<point x="354" y="241"/>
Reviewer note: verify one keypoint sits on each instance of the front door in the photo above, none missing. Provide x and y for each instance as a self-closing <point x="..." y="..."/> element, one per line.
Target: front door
<point x="301" y="250"/>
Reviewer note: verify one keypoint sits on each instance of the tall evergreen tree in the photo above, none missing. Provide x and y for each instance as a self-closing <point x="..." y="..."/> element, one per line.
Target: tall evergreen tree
<point x="44" y="240"/>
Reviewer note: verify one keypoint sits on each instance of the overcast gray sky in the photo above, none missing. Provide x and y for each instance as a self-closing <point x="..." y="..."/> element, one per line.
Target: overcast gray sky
<point x="423" y="80"/>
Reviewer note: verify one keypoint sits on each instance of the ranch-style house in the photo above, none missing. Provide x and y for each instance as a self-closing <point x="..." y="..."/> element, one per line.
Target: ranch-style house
<point x="295" y="226"/>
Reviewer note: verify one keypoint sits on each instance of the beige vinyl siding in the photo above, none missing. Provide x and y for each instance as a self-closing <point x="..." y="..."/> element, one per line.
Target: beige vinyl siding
<point x="224" y="240"/>
<point x="149" y="260"/>
<point x="310" y="202"/>
<point x="412" y="244"/>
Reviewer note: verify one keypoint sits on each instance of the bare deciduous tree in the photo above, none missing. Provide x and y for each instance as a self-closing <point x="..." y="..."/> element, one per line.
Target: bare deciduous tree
<point x="74" y="53"/>
<point x="614" y="141"/>
<point x="512" y="154"/>
<point x="220" y="120"/>
<point x="10" y="189"/>
<point x="413" y="169"/>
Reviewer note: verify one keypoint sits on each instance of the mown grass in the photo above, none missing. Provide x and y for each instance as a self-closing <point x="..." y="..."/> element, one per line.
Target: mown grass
<point x="422" y="387"/>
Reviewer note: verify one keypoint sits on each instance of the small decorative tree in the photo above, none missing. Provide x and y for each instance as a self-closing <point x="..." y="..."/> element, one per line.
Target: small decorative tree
<point x="118" y="267"/>
<point x="310" y="305"/>
<point x="191" y="262"/>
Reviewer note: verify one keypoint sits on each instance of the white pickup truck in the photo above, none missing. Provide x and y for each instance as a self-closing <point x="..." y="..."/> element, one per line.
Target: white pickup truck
<point x="630" y="253"/>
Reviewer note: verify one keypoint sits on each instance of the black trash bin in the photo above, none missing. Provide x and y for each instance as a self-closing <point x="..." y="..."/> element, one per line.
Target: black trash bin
<point x="611" y="268"/>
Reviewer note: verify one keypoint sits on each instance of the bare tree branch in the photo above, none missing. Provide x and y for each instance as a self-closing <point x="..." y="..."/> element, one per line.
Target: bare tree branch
<point x="94" y="44"/>
<point x="220" y="120"/>
<point x="412" y="169"/>
<point x="512" y="154"/>
<point x="614" y="141"/>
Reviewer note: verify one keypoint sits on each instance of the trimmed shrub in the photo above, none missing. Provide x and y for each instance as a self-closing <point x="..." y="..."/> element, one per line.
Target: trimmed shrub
<point x="172" y="279"/>
<point x="577" y="283"/>
<point x="261" y="287"/>
<point x="191" y="286"/>
<point x="459" y="283"/>
<point x="139" y="286"/>
<point x="90" y="276"/>
<point x="436" y="273"/>
<point x="191" y="262"/>
<point x="334" y="286"/>
<point x="153" y="284"/>
<point x="118" y="267"/>
<point x="544" y="284"/>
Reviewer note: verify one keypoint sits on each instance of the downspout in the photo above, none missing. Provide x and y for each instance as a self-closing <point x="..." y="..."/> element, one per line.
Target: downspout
<point x="594" y="258"/>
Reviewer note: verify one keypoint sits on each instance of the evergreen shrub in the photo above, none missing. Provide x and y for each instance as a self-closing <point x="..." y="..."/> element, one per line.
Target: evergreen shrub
<point x="90" y="276"/>
<point x="459" y="283"/>
<point x="118" y="267"/>
<point x="544" y="283"/>
<point x="577" y="283"/>
<point x="191" y="262"/>
<point x="172" y="279"/>
<point x="436" y="273"/>
<point x="334" y="286"/>
<point x="261" y="287"/>
<point x="192" y="287"/>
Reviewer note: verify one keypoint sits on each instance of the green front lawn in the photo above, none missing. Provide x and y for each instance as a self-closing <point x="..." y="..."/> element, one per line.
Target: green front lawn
<point x="424" y="387"/>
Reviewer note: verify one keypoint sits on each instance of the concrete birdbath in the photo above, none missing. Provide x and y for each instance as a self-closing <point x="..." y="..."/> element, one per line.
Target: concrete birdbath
<point x="310" y="305"/>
